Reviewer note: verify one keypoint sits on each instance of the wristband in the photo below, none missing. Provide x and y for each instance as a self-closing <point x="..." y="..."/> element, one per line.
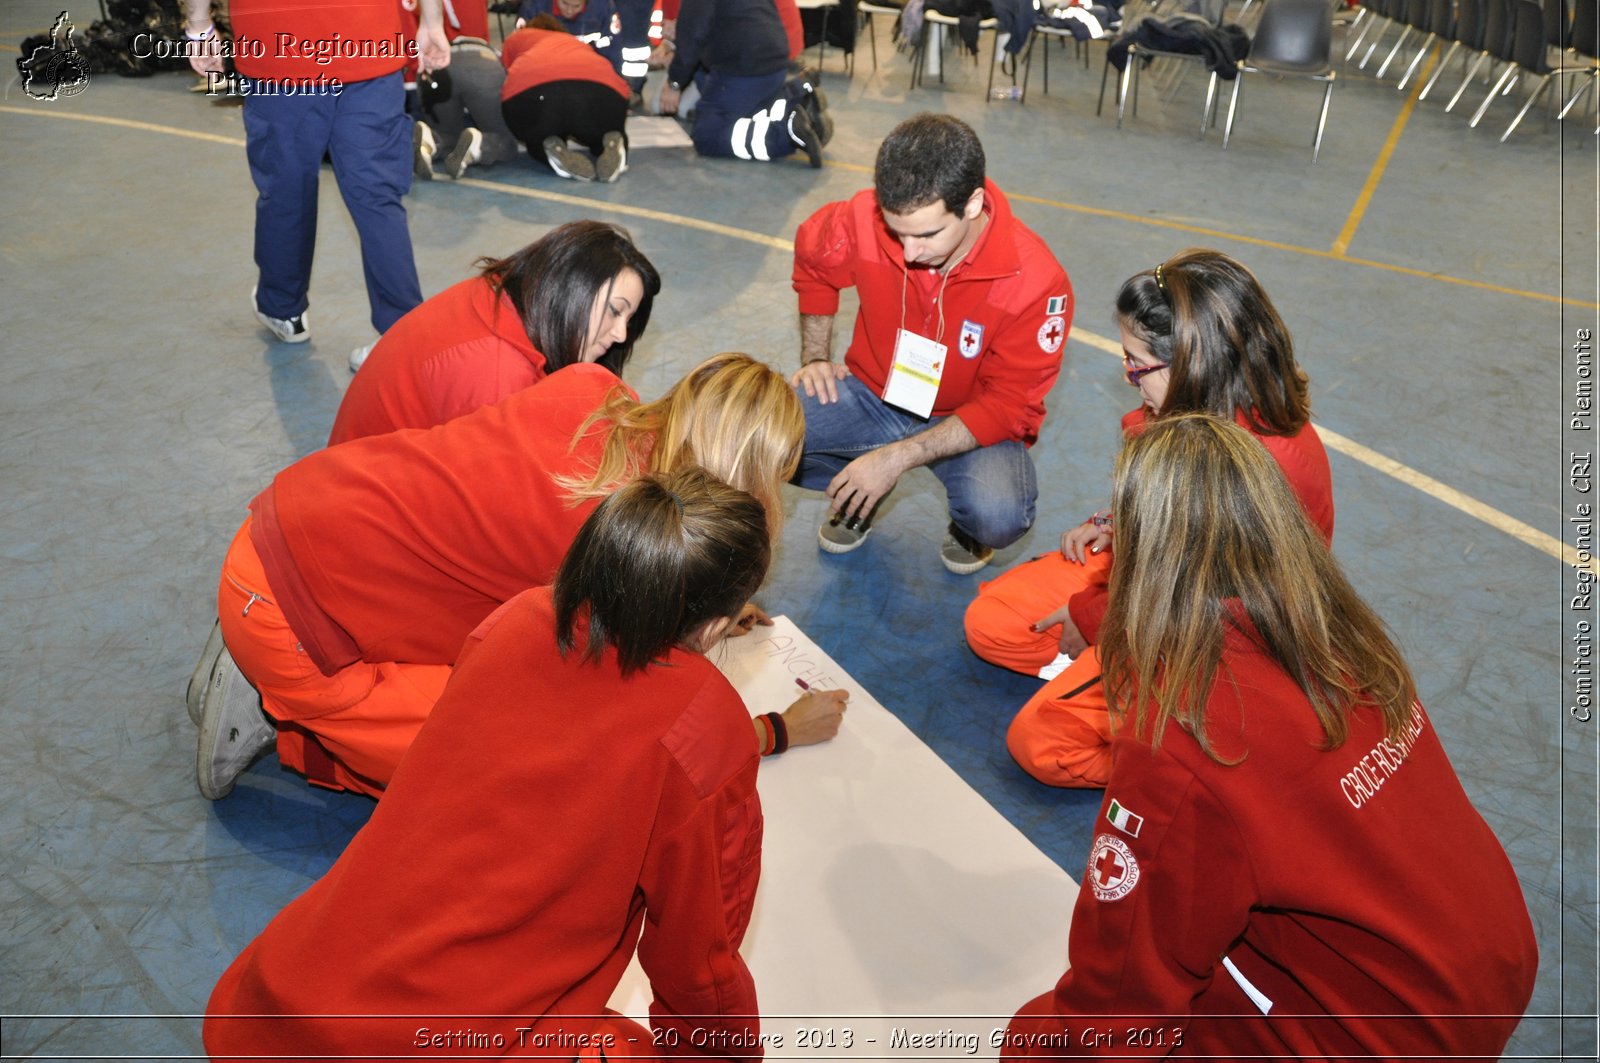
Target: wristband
<point x="780" y="732"/>
<point x="209" y="31"/>
<point x="769" y="738"/>
<point x="823" y="358"/>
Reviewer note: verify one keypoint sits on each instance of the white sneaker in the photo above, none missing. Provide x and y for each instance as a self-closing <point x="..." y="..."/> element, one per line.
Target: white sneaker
<point x="468" y="150"/>
<point x="234" y="731"/>
<point x="422" y="148"/>
<point x="295" y="329"/>
<point x="358" y="357"/>
<point x="196" y="692"/>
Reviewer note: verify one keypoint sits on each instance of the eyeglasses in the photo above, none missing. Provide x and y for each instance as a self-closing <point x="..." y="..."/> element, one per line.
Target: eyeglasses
<point x="1135" y="372"/>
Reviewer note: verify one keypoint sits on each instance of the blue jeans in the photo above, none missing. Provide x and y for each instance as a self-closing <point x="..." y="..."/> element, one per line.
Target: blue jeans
<point x="366" y="131"/>
<point x="992" y="489"/>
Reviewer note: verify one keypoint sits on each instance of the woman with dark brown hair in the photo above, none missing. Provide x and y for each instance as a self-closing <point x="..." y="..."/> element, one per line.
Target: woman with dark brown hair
<point x="585" y="788"/>
<point x="1285" y="865"/>
<point x="1199" y="335"/>
<point x="580" y="293"/>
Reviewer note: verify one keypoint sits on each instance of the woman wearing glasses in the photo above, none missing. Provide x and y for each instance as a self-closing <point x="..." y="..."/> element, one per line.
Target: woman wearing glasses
<point x="1198" y="336"/>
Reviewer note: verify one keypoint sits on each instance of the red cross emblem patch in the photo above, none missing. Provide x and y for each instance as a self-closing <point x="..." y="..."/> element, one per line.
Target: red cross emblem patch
<point x="971" y="341"/>
<point x="1052" y="333"/>
<point x="1113" y="871"/>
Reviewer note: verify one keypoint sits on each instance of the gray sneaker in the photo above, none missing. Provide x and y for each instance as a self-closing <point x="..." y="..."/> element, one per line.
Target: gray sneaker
<point x="567" y="163"/>
<point x="233" y="729"/>
<point x="613" y="160"/>
<point x="196" y="692"/>
<point x="358" y="357"/>
<point x="468" y="150"/>
<point x="288" y="329"/>
<point x="841" y="537"/>
<point x="963" y="554"/>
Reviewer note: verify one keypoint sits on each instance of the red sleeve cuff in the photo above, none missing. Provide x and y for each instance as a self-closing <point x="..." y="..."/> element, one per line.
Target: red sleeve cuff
<point x="1088" y="609"/>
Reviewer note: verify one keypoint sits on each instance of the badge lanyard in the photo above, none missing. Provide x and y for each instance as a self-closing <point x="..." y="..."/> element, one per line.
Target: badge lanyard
<point x="918" y="363"/>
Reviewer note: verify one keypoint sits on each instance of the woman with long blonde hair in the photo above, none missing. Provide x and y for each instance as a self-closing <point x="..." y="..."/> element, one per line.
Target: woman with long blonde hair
<point x="347" y="594"/>
<point x="1285" y="864"/>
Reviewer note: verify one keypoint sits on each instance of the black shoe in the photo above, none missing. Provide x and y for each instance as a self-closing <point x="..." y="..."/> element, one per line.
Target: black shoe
<point x="804" y="91"/>
<point x="803" y="133"/>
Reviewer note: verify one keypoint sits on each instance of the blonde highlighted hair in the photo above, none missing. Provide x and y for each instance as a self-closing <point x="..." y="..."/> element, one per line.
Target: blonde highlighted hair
<point x="1206" y="525"/>
<point x="732" y="415"/>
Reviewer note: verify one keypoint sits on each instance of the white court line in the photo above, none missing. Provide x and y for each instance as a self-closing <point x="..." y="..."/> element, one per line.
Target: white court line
<point x="1443" y="492"/>
<point x="1436" y="489"/>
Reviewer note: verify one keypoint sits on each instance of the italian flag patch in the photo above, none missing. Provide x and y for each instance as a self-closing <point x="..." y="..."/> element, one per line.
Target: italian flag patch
<point x="1124" y="820"/>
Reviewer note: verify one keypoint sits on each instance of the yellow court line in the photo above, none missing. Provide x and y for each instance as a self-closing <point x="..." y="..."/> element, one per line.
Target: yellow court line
<point x="1411" y="477"/>
<point x="1276" y="245"/>
<point x="1312" y="252"/>
<point x="775" y="242"/>
<point x="1436" y="489"/>
<point x="1497" y="520"/>
<point x="1353" y="222"/>
<point x="125" y="123"/>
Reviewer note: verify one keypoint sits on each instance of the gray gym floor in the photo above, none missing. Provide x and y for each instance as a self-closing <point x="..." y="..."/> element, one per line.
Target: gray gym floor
<point x="1435" y="281"/>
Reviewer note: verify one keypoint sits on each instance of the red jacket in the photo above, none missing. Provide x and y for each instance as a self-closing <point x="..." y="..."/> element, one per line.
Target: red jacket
<point x="1008" y="307"/>
<point x="1343" y="885"/>
<point x="535" y="57"/>
<point x="1304" y="462"/>
<point x="464" y="348"/>
<point x="352" y="40"/>
<point x="394" y="547"/>
<point x="548" y="811"/>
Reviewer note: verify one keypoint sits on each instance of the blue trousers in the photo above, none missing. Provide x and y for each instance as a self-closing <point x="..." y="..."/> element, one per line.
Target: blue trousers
<point x="365" y="130"/>
<point x="992" y="490"/>
<point x="735" y="117"/>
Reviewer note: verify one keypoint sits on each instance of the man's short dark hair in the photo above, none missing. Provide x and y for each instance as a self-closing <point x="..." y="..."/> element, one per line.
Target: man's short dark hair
<point x="927" y="159"/>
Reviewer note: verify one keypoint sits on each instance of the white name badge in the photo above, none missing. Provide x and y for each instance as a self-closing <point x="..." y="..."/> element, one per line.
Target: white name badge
<point x="915" y="373"/>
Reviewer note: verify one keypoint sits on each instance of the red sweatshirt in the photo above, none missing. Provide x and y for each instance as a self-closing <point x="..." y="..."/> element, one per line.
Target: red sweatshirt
<point x="352" y="40"/>
<point x="1007" y="309"/>
<point x="1304" y="462"/>
<point x="537" y="57"/>
<point x="1356" y="890"/>
<point x="548" y="812"/>
<point x="394" y="547"/>
<point x="464" y="348"/>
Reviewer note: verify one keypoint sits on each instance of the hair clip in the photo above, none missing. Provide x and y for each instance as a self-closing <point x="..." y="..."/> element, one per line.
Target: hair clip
<point x="1161" y="285"/>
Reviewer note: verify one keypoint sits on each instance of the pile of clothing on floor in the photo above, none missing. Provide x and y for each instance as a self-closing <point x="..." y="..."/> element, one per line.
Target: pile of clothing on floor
<point x="107" y="45"/>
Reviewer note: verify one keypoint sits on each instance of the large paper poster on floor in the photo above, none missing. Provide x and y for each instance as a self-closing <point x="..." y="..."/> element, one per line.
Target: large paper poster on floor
<point x="898" y="911"/>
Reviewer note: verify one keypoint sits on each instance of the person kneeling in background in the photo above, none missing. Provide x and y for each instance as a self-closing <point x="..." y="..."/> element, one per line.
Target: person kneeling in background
<point x="558" y="89"/>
